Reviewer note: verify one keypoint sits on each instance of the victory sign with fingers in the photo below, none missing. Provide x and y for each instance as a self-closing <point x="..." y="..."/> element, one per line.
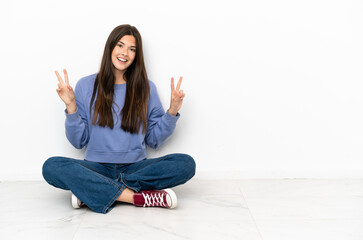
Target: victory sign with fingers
<point x="65" y="92"/>
<point x="177" y="97"/>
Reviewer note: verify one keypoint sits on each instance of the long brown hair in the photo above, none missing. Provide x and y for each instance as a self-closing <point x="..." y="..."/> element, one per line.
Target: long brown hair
<point x="134" y="111"/>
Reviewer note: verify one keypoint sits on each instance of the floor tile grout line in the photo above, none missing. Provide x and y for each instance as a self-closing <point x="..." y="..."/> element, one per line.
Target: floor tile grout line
<point x="249" y="210"/>
<point x="79" y="225"/>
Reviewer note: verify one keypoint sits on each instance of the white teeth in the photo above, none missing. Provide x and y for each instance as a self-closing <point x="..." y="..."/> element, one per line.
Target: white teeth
<point x="121" y="59"/>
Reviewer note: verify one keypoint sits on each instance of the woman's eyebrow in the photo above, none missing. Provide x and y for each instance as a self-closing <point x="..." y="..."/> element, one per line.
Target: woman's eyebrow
<point x="124" y="44"/>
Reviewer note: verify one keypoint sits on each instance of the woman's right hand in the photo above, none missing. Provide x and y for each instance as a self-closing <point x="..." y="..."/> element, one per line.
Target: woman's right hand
<point x="66" y="93"/>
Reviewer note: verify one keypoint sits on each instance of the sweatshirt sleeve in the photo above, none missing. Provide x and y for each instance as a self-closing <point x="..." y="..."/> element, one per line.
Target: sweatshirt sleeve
<point x="76" y="123"/>
<point x="160" y="123"/>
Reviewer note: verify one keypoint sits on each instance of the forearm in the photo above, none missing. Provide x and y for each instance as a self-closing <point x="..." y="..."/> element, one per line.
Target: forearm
<point x="161" y="130"/>
<point x="76" y="130"/>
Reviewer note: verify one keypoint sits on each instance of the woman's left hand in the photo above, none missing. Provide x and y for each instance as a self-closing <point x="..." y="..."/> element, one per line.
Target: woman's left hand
<point x="177" y="97"/>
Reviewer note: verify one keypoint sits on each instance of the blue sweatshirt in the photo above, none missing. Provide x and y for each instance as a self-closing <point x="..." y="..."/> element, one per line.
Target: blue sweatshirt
<point x="115" y="145"/>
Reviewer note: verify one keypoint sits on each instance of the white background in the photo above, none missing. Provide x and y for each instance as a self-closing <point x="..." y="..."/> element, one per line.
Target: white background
<point x="273" y="88"/>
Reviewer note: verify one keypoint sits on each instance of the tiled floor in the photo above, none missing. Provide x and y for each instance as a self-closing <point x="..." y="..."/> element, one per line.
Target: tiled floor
<point x="207" y="209"/>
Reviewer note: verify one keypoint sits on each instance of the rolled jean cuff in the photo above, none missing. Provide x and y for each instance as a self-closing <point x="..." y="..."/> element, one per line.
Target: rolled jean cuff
<point x="109" y="206"/>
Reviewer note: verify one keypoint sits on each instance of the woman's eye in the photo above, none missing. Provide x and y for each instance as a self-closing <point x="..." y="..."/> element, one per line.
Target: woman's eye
<point x="134" y="50"/>
<point x="119" y="45"/>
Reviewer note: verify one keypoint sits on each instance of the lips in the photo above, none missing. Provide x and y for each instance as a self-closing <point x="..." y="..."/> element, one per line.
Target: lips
<point x="122" y="60"/>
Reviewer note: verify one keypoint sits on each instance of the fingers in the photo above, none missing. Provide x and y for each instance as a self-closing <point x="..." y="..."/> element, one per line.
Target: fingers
<point x="70" y="88"/>
<point x="177" y="92"/>
<point x="178" y="95"/>
<point x="179" y="83"/>
<point x="181" y="94"/>
<point x="60" y="88"/>
<point x="172" y="84"/>
<point x="178" y="86"/>
<point x="60" y="80"/>
<point x="66" y="76"/>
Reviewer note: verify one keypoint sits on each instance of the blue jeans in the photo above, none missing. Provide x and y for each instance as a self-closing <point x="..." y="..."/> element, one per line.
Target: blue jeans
<point x="98" y="185"/>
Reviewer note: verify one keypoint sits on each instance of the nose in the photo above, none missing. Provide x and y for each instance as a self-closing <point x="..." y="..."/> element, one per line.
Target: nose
<point x="124" y="52"/>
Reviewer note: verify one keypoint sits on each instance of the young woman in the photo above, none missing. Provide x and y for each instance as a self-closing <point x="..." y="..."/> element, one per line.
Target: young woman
<point x="115" y="114"/>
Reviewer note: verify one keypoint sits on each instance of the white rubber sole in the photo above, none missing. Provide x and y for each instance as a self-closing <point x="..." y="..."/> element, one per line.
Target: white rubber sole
<point x="172" y="201"/>
<point x="75" y="202"/>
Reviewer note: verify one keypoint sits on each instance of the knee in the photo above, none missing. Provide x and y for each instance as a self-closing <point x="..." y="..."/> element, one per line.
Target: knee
<point x="188" y="164"/>
<point x="49" y="167"/>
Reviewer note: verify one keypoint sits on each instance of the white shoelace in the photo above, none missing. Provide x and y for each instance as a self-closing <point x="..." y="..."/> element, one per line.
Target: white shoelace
<point x="155" y="199"/>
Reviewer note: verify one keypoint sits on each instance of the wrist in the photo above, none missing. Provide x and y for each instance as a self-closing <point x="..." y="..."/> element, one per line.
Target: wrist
<point x="71" y="103"/>
<point x="71" y="107"/>
<point x="172" y="112"/>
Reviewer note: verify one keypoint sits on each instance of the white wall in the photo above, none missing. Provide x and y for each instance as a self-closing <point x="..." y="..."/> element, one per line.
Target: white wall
<point x="273" y="88"/>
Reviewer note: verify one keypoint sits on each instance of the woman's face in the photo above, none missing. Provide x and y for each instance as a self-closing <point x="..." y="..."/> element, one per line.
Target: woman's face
<point x="124" y="53"/>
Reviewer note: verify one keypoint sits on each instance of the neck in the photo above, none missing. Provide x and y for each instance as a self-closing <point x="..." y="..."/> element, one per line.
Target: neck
<point x="119" y="77"/>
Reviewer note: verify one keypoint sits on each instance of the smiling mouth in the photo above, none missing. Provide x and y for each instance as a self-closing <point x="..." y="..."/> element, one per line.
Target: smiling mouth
<point x="122" y="60"/>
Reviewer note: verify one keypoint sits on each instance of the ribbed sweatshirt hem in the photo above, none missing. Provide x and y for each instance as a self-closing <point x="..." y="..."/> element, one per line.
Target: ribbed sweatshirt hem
<point x="115" y="157"/>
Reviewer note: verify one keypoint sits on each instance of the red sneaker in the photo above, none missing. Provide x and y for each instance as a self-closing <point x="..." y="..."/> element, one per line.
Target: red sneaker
<point x="156" y="198"/>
